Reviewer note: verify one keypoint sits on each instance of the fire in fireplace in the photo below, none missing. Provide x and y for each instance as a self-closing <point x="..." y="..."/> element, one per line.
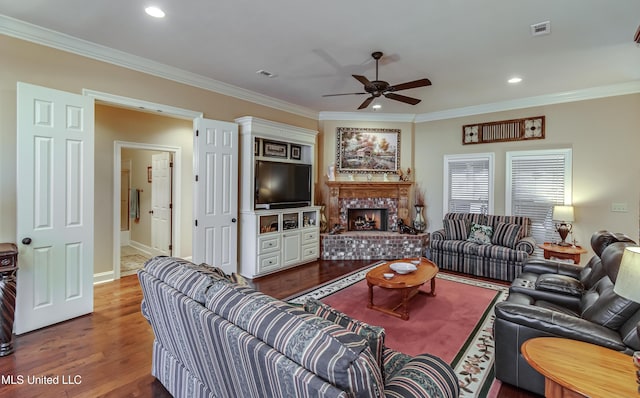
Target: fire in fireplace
<point x="367" y="219"/>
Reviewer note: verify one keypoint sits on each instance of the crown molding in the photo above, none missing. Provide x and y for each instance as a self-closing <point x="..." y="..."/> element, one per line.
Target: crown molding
<point x="46" y="37"/>
<point x="39" y="35"/>
<point x="632" y="87"/>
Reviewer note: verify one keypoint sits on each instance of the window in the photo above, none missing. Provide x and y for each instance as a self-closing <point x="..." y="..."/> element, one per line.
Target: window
<point x="468" y="183"/>
<point x="536" y="181"/>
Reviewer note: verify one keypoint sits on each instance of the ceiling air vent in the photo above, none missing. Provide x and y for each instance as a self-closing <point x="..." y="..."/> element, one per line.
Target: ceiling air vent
<point x="542" y="28"/>
<point x="266" y="73"/>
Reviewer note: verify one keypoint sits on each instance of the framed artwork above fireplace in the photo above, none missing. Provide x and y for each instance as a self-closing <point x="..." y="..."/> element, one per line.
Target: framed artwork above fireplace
<point x="366" y="150"/>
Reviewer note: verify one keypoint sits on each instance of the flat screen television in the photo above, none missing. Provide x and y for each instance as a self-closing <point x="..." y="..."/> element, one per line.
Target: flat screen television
<point x="280" y="185"/>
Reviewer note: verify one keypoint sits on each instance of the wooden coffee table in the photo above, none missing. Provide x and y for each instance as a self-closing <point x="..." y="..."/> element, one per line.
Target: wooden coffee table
<point x="409" y="284"/>
<point x="577" y="369"/>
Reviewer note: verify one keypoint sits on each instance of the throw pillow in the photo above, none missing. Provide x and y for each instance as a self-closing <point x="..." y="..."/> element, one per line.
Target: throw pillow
<point x="455" y="229"/>
<point x="480" y="234"/>
<point x="373" y="334"/>
<point x="506" y="235"/>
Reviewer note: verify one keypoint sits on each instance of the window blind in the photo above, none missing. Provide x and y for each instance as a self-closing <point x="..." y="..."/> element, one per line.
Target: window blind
<point x="538" y="181"/>
<point x="469" y="181"/>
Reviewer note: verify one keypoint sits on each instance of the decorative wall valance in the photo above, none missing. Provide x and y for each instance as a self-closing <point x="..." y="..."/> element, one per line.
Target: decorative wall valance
<point x="507" y="130"/>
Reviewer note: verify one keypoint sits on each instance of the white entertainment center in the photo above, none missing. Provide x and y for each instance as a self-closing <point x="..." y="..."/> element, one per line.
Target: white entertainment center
<point x="279" y="226"/>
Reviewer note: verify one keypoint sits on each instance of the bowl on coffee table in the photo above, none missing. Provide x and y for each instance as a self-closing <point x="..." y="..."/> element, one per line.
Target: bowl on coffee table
<point x="403" y="268"/>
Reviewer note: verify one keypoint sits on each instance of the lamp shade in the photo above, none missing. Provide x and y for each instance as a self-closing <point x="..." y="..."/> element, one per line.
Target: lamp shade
<point x="628" y="280"/>
<point x="563" y="213"/>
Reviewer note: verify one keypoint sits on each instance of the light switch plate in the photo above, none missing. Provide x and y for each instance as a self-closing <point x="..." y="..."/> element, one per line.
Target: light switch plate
<point x="619" y="207"/>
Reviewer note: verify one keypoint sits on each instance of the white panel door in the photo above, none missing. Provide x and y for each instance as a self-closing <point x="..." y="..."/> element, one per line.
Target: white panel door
<point x="215" y="207"/>
<point x="55" y="137"/>
<point x="161" y="203"/>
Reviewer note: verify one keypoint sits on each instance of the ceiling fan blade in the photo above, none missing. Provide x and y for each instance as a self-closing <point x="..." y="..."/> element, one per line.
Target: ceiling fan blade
<point x="408" y="85"/>
<point x="366" y="103"/>
<point x="402" y="98"/>
<point x="335" y="95"/>
<point x="362" y="79"/>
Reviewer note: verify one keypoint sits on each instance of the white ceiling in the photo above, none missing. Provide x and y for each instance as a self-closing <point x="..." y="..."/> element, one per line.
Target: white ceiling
<point x="467" y="48"/>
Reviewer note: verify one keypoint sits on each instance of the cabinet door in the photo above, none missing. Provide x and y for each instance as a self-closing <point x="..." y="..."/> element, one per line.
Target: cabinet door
<point x="291" y="248"/>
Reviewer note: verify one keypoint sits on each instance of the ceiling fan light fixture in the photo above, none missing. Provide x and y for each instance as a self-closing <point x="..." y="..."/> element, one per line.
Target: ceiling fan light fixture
<point x="155" y="12"/>
<point x="378" y="88"/>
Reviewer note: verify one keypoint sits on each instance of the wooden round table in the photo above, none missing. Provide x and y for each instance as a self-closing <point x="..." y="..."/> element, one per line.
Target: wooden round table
<point x="577" y="369"/>
<point x="409" y="284"/>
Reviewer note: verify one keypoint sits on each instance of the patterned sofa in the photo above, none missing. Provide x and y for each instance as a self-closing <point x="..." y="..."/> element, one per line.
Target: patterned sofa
<point x="501" y="256"/>
<point x="217" y="338"/>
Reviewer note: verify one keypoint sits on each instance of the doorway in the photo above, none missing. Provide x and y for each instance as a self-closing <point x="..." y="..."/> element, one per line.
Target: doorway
<point x="145" y="207"/>
<point x="132" y="249"/>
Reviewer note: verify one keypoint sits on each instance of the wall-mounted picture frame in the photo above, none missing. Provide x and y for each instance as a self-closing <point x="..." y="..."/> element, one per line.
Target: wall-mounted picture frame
<point x="365" y="150"/>
<point x="149" y="173"/>
<point x="296" y="152"/>
<point x="274" y="149"/>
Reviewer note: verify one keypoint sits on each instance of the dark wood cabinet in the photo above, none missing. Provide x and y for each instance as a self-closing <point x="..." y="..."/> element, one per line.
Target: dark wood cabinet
<point x="8" y="271"/>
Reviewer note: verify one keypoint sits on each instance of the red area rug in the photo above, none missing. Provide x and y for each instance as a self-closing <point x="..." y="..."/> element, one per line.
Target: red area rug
<point x="438" y="325"/>
<point x="456" y="324"/>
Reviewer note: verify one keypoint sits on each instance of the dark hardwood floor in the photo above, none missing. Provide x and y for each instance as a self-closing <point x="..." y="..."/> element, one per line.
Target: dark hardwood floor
<point x="108" y="353"/>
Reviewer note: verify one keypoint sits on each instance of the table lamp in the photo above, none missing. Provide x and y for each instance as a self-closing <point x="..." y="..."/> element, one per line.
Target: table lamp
<point x="564" y="216"/>
<point x="626" y="286"/>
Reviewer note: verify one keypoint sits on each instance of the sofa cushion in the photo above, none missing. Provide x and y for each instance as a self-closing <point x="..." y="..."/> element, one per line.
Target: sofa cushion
<point x="456" y="229"/>
<point x="373" y="334"/>
<point x="323" y="347"/>
<point x="523" y="221"/>
<point x="184" y="276"/>
<point x="560" y="284"/>
<point x="480" y="234"/>
<point x="608" y="309"/>
<point x="506" y="235"/>
<point x="502" y="253"/>
<point x="455" y="246"/>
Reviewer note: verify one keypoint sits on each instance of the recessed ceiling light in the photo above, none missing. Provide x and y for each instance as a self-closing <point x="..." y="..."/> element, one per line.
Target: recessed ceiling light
<point x="376" y="107"/>
<point x="154" y="12"/>
<point x="514" y="80"/>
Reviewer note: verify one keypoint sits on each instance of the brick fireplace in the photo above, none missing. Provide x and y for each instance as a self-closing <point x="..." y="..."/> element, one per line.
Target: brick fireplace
<point x="369" y="212"/>
<point x="343" y="195"/>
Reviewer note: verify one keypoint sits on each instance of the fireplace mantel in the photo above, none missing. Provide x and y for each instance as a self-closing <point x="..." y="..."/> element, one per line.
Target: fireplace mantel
<point x="364" y="189"/>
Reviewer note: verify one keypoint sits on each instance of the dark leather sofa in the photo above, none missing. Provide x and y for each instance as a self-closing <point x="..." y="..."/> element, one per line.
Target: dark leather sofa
<point x="564" y="283"/>
<point x="601" y="317"/>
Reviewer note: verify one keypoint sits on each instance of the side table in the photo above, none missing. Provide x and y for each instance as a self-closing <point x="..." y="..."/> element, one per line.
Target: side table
<point x="8" y="270"/>
<point x="562" y="252"/>
<point x="574" y="368"/>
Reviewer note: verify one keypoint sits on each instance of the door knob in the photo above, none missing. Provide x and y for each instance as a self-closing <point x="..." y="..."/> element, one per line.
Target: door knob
<point x="233" y="219"/>
<point x="150" y="211"/>
<point x="26" y="241"/>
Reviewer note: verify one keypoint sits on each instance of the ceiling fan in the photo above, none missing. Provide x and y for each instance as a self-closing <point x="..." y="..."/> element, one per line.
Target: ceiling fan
<point x="379" y="87"/>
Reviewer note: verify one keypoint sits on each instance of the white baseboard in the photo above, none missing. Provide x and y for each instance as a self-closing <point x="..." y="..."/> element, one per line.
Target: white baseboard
<point x="143" y="248"/>
<point x="103" y="277"/>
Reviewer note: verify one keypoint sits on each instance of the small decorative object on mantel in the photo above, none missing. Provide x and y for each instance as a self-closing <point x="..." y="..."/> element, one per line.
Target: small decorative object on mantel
<point x="507" y="130"/>
<point x="404" y="176"/>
